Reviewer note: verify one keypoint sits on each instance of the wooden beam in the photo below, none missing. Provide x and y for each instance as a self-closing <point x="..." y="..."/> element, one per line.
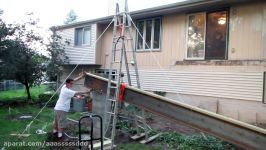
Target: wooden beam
<point x="233" y="131"/>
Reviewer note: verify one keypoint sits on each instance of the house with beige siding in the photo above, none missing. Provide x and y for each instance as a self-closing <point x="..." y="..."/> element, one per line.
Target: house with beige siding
<point x="206" y="53"/>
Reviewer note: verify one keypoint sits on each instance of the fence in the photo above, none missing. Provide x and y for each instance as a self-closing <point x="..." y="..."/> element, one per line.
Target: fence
<point x="10" y="85"/>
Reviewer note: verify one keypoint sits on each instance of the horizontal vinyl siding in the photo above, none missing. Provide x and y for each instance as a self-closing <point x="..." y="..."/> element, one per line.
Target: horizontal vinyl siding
<point x="246" y="86"/>
<point x="79" y="54"/>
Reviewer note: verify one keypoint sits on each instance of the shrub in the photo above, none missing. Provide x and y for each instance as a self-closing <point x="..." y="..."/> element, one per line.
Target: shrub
<point x="204" y="142"/>
<point x="172" y="139"/>
<point x="45" y="97"/>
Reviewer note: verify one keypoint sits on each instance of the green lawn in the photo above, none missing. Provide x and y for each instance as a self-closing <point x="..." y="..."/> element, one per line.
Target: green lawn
<point x="21" y="94"/>
<point x="10" y="123"/>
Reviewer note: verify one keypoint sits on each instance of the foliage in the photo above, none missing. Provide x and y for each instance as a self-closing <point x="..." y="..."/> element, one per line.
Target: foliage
<point x="45" y="97"/>
<point x="19" y="59"/>
<point x="172" y="139"/>
<point x="124" y="125"/>
<point x="71" y="17"/>
<point x="199" y="142"/>
<point x="204" y="142"/>
<point x="56" y="50"/>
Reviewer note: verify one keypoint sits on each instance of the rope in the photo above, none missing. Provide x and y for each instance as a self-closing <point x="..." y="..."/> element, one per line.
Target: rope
<point x="28" y="126"/>
<point x="41" y="131"/>
<point x="16" y="111"/>
<point x="38" y="131"/>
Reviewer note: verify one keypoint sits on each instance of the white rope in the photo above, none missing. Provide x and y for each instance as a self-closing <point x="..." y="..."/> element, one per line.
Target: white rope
<point x="41" y="131"/>
<point x="28" y="126"/>
<point x="18" y="112"/>
<point x="154" y="57"/>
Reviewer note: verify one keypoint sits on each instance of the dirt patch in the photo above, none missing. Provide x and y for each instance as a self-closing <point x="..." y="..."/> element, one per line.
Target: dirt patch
<point x="158" y="123"/>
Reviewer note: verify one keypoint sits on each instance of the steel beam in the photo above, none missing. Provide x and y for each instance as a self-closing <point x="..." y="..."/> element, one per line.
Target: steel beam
<point x="233" y="131"/>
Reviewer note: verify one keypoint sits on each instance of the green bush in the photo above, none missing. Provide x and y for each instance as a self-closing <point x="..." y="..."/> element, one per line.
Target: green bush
<point x="194" y="142"/>
<point x="200" y="142"/>
<point x="45" y="97"/>
<point x="172" y="139"/>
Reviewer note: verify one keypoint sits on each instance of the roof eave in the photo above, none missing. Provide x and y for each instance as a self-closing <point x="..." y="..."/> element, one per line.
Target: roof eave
<point x="185" y="6"/>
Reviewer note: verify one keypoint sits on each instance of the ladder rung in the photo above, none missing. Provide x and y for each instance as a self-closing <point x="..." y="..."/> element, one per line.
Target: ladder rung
<point x="113" y="87"/>
<point x="118" y="50"/>
<point x="113" y="100"/>
<point x="116" y="41"/>
<point x="140" y="127"/>
<point x="110" y="113"/>
<point x="140" y="117"/>
<point x="116" y="37"/>
<point x="122" y="26"/>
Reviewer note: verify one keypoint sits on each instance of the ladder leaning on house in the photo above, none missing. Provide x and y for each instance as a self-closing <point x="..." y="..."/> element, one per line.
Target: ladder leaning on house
<point x="122" y="24"/>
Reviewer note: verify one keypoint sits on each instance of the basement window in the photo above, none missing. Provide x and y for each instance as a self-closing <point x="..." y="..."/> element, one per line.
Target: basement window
<point x="207" y="35"/>
<point x="150" y="31"/>
<point x="105" y="73"/>
<point x="82" y="36"/>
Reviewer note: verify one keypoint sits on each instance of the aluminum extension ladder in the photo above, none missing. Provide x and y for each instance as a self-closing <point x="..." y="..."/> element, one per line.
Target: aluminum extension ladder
<point x="122" y="23"/>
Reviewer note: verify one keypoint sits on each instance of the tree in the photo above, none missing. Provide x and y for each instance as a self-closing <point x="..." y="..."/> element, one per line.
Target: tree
<point x="56" y="50"/>
<point x="19" y="58"/>
<point x="71" y="17"/>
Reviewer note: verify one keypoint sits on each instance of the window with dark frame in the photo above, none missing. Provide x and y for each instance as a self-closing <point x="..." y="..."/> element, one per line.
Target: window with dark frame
<point x="150" y="31"/>
<point x="82" y="36"/>
<point x="105" y="73"/>
<point x="207" y="35"/>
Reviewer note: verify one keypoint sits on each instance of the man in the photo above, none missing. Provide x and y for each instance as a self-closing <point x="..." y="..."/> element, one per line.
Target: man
<point x="63" y="105"/>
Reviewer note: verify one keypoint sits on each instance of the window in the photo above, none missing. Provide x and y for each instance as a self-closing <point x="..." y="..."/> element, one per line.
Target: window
<point x="82" y="36"/>
<point x="207" y="34"/>
<point x="150" y="30"/>
<point x="105" y="73"/>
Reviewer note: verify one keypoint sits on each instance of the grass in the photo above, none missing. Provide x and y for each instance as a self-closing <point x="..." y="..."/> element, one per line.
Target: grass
<point x="10" y="123"/>
<point x="21" y="94"/>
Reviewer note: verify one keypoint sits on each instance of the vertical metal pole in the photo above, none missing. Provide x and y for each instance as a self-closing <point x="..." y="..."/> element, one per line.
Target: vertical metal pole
<point x="101" y="124"/>
<point x="80" y="133"/>
<point x="91" y="140"/>
<point x="124" y="49"/>
<point x="132" y="47"/>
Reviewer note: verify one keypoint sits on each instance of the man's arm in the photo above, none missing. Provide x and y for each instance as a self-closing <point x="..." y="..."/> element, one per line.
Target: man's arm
<point x="81" y="75"/>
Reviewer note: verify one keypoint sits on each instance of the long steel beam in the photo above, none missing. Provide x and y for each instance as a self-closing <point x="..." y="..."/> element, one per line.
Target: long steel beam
<point x="233" y="131"/>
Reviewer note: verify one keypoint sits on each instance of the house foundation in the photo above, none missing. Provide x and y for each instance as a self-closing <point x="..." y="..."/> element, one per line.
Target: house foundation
<point x="252" y="112"/>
